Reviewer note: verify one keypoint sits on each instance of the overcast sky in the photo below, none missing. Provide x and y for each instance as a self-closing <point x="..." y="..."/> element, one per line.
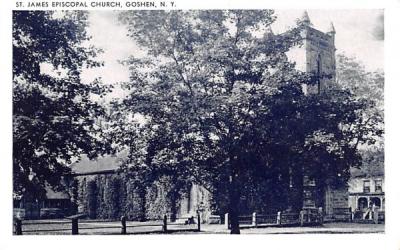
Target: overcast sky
<point x="359" y="33"/>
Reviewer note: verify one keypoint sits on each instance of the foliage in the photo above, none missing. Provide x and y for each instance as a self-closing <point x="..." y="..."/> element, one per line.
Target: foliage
<point x="116" y="195"/>
<point x="54" y="113"/>
<point x="353" y="76"/>
<point x="367" y="87"/>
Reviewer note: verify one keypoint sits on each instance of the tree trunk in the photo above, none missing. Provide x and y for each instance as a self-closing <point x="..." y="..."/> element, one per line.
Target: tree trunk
<point x="234" y="205"/>
<point x="173" y="207"/>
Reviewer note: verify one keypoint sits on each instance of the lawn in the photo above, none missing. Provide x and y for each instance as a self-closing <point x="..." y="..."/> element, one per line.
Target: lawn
<point x="96" y="227"/>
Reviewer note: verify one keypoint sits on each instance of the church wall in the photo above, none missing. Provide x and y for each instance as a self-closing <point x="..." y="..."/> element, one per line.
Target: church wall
<point x="107" y="197"/>
<point x="321" y="49"/>
<point x="196" y="199"/>
<point x="297" y="54"/>
<point x="316" y="46"/>
<point x="110" y="196"/>
<point x="336" y="201"/>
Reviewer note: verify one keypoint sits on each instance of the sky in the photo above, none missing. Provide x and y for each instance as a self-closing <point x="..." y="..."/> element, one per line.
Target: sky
<point x="359" y="33"/>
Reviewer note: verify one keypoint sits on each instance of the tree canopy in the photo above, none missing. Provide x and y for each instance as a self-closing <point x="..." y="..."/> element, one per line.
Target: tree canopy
<point x="54" y="112"/>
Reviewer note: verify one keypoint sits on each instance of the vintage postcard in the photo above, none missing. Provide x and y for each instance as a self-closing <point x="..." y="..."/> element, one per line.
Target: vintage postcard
<point x="169" y="120"/>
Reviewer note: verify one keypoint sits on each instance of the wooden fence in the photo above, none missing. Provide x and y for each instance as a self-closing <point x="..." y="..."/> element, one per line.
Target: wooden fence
<point x="303" y="218"/>
<point x="74" y="226"/>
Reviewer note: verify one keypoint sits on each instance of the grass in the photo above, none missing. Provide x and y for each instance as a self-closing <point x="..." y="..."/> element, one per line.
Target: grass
<point x="97" y="227"/>
<point x="87" y="227"/>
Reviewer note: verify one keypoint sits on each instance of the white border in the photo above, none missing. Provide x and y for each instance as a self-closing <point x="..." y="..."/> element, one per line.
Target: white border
<point x="389" y="240"/>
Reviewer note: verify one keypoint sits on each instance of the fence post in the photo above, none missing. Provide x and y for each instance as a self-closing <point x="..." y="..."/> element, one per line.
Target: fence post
<point x="226" y="221"/>
<point x="278" y="218"/>
<point x="172" y="217"/>
<point x="18" y="226"/>
<point x="301" y="218"/>
<point x="254" y="219"/>
<point x="198" y="221"/>
<point x="376" y="215"/>
<point x="351" y="215"/>
<point x="75" y="229"/>
<point x="165" y="223"/>
<point x="321" y="215"/>
<point x="123" y="225"/>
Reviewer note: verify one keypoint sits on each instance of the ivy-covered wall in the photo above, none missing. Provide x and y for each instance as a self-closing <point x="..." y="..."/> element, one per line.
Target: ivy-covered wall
<point x="110" y="196"/>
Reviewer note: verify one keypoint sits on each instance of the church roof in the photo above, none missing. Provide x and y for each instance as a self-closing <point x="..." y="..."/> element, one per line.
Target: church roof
<point x="101" y="164"/>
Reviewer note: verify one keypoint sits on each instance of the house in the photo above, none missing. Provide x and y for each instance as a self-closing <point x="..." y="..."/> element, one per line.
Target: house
<point x="56" y="204"/>
<point x="366" y="195"/>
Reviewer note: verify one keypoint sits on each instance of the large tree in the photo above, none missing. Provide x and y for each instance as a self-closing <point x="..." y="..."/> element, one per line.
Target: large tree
<point x="54" y="113"/>
<point x="223" y="106"/>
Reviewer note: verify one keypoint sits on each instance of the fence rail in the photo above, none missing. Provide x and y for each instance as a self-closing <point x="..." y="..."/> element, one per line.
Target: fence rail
<point x="245" y="219"/>
<point x="304" y="217"/>
<point x="290" y="218"/>
<point x="46" y="230"/>
<point x="266" y="219"/>
<point x="47" y="222"/>
<point x="74" y="225"/>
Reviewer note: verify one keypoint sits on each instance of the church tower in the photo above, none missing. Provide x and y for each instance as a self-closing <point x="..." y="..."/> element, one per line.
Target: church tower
<point x="316" y="55"/>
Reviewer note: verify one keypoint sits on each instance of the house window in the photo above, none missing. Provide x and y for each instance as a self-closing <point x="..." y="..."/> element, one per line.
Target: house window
<point x="366" y="187"/>
<point x="378" y="186"/>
